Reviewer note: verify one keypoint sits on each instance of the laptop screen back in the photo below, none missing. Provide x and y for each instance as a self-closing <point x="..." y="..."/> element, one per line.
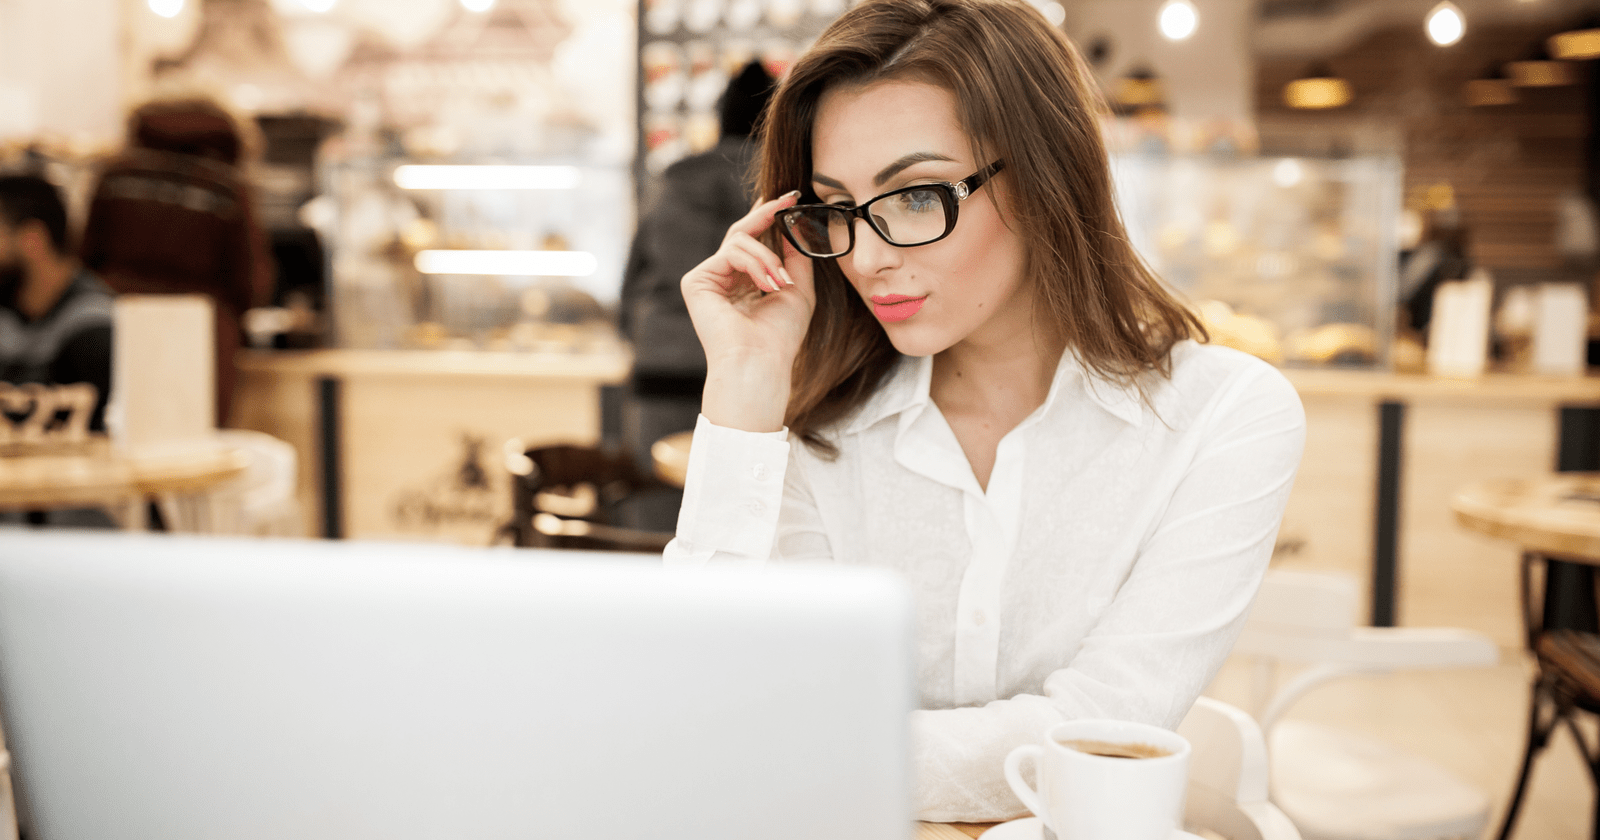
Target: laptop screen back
<point x="193" y="688"/>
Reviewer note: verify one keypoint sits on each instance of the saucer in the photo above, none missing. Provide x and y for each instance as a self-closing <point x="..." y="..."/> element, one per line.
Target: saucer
<point x="1032" y="829"/>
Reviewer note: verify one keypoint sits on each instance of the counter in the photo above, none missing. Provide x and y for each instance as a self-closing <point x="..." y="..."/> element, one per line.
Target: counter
<point x="1384" y="454"/>
<point x="407" y="444"/>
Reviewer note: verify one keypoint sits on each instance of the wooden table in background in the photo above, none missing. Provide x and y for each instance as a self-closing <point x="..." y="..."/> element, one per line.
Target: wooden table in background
<point x="1554" y="519"/>
<point x="99" y="474"/>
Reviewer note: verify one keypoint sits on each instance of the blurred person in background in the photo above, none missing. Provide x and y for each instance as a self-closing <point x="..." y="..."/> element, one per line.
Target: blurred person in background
<point x="172" y="215"/>
<point x="696" y="201"/>
<point x="55" y="317"/>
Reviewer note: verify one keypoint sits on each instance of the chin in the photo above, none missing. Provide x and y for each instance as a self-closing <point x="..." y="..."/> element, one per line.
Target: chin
<point x="911" y="341"/>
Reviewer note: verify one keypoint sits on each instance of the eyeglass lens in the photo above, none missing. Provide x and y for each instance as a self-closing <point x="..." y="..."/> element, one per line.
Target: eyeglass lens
<point x="911" y="217"/>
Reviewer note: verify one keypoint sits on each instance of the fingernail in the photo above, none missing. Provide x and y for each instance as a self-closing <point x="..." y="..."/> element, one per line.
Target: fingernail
<point x="786" y="277"/>
<point x="776" y="283"/>
<point x="790" y="194"/>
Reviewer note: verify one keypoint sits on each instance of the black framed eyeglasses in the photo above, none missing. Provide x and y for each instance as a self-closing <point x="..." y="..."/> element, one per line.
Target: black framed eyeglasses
<point x="909" y="216"/>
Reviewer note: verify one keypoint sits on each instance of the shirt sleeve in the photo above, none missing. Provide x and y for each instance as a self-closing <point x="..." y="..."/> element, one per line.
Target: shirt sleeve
<point x="1172" y="622"/>
<point x="733" y="496"/>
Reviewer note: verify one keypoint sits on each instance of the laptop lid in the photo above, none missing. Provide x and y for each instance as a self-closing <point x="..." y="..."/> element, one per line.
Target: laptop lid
<point x="183" y="687"/>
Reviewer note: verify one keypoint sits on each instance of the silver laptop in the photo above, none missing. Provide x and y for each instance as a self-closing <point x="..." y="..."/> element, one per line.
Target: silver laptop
<point x="177" y="688"/>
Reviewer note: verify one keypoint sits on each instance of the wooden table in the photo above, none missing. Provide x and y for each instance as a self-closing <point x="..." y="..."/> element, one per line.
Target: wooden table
<point x="1556" y="521"/>
<point x="99" y="474"/>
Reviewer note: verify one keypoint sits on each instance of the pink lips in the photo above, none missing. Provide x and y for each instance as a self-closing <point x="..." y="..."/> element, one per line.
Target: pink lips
<point x="893" y="308"/>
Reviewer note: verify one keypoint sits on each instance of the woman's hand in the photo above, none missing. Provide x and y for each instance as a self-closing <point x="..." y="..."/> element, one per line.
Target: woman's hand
<point x="750" y="308"/>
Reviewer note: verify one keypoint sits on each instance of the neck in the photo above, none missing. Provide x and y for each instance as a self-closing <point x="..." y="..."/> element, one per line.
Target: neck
<point x="1015" y="373"/>
<point x="43" y="284"/>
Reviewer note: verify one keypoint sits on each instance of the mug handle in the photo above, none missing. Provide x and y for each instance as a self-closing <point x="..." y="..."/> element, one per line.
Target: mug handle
<point x="1023" y="790"/>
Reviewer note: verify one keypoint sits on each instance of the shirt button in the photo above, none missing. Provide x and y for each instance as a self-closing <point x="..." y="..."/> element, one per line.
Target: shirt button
<point x="756" y="508"/>
<point x="758" y="472"/>
<point x="979" y="617"/>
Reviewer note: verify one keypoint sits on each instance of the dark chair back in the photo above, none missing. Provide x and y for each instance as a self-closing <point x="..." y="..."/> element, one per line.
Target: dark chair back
<point x="578" y="497"/>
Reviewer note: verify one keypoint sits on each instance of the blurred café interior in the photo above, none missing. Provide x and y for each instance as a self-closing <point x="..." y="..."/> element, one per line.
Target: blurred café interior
<point x="1393" y="200"/>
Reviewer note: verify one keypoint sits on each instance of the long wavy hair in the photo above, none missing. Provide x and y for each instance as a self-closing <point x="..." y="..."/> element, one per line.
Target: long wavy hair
<point x="1023" y="94"/>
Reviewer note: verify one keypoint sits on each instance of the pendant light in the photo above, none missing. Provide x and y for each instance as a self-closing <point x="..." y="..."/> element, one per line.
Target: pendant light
<point x="1319" y="89"/>
<point x="1575" y="45"/>
<point x="1492" y="88"/>
<point x="1140" y="89"/>
<point x="1538" y="69"/>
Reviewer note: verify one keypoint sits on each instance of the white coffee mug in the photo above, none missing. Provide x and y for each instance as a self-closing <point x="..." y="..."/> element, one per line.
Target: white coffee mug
<point x="1089" y="788"/>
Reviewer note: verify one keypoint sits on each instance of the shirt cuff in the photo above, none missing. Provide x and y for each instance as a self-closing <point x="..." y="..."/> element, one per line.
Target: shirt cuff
<point x="733" y="490"/>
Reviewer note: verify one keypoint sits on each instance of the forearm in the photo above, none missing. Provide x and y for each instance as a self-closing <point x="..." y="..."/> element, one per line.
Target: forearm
<point x="748" y="393"/>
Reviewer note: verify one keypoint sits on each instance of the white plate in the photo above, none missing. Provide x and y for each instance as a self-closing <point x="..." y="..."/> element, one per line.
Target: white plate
<point x="1032" y="829"/>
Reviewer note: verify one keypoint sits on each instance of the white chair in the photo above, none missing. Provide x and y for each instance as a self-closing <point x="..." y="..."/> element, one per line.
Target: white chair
<point x="1335" y="784"/>
<point x="1228" y="776"/>
<point x="259" y="503"/>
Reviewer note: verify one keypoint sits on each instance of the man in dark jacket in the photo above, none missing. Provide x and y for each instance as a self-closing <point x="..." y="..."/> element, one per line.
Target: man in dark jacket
<point x="696" y="200"/>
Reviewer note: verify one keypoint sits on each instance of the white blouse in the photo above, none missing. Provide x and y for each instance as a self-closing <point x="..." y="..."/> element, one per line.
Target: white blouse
<point x="1105" y="572"/>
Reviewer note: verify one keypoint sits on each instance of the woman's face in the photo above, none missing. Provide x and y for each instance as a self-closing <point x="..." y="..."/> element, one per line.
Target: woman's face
<point x="967" y="287"/>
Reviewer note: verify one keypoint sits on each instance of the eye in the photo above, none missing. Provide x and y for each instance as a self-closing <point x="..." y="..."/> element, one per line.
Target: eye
<point x="919" y="201"/>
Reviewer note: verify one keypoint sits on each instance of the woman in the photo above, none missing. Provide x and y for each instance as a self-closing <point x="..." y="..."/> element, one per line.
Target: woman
<point x="959" y="369"/>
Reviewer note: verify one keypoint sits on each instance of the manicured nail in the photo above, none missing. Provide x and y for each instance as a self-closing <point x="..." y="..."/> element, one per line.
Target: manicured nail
<point x="785" y="273"/>
<point x="789" y="194"/>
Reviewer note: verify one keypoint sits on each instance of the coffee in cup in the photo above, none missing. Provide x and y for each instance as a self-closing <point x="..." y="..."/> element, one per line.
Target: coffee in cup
<point x="1104" y="780"/>
<point x="1113" y="749"/>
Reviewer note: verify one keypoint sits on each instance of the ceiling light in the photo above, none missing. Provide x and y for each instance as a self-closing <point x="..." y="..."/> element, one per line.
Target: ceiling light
<point x="1577" y="45"/>
<point x="1179" y="19"/>
<point x="1446" y="24"/>
<point x="166" y="8"/>
<point x="1318" y="89"/>
<point x="508" y="263"/>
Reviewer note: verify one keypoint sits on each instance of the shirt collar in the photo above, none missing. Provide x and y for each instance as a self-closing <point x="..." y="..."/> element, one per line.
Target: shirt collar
<point x="905" y="390"/>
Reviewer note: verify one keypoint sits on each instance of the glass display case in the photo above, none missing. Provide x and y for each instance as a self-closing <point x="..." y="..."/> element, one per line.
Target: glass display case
<point x="1292" y="259"/>
<point x="485" y="256"/>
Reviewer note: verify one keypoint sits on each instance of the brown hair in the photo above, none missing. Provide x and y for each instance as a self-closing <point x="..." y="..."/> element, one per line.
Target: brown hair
<point x="1023" y="95"/>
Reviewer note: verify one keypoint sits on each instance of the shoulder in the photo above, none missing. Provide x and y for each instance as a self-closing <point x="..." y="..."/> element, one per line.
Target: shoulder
<point x="1207" y="378"/>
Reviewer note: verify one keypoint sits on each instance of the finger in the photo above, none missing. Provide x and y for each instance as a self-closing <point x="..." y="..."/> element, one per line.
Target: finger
<point x="771" y="262"/>
<point x="752" y="267"/>
<point x="760" y="216"/>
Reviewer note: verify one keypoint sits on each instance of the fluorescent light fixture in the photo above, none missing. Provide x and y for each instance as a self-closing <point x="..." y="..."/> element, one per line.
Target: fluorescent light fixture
<point x="1446" y="24"/>
<point x="477" y="5"/>
<point x="508" y="263"/>
<point x="166" y="8"/>
<point x="1179" y="19"/>
<point x="488" y="177"/>
<point x="1054" y="12"/>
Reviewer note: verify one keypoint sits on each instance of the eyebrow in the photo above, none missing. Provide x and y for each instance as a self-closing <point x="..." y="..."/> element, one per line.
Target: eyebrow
<point x="885" y="173"/>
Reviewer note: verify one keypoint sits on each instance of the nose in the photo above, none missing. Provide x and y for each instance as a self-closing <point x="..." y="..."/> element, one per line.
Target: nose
<point x="871" y="253"/>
